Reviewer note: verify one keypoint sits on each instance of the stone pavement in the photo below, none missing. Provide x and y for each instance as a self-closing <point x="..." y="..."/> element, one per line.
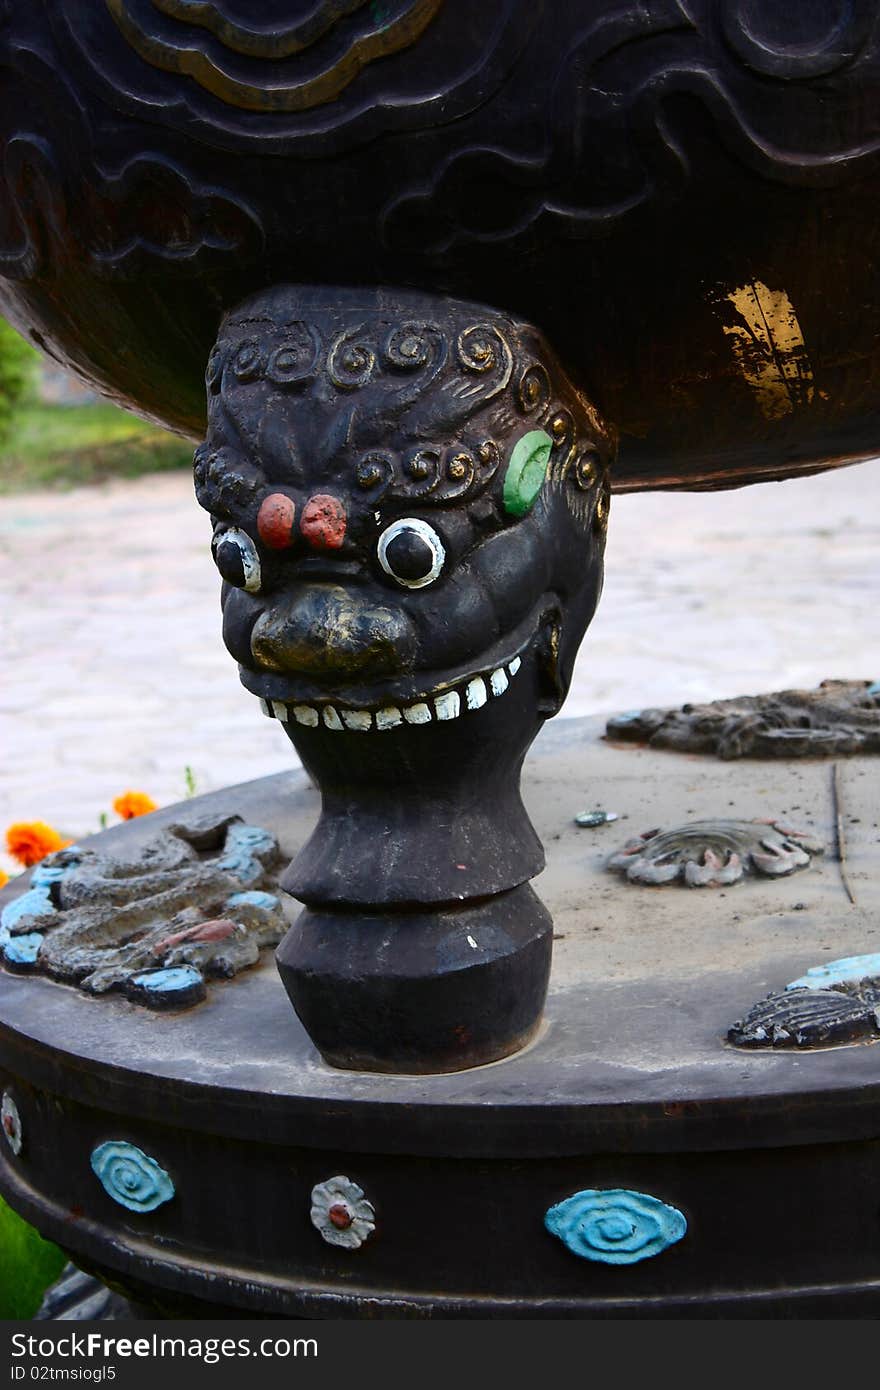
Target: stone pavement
<point x="114" y="675"/>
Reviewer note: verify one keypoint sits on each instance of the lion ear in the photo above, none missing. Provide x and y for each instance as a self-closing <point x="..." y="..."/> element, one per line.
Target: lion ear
<point x="526" y="471"/>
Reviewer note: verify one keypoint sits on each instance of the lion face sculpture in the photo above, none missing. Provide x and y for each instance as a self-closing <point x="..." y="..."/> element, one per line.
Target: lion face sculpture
<point x="409" y="502"/>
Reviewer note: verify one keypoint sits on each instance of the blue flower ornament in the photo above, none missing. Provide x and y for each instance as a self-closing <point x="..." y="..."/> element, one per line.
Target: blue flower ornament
<point x="615" y="1226"/>
<point x="130" y="1176"/>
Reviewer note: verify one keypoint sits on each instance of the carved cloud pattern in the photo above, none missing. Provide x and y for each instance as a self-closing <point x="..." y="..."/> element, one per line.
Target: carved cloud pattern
<point x="622" y="100"/>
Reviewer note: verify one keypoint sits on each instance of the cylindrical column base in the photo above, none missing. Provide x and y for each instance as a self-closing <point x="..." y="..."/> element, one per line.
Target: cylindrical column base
<point x="431" y="991"/>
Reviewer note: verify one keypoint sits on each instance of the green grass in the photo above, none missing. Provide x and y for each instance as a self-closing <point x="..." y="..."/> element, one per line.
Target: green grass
<point x="28" y="1264"/>
<point x="67" y="446"/>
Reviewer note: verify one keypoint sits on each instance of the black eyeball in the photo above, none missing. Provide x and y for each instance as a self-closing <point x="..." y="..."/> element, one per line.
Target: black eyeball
<point x="235" y="556"/>
<point x="411" y="552"/>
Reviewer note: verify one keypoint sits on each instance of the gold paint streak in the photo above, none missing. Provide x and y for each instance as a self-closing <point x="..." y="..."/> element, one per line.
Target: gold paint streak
<point x="398" y="34"/>
<point x="769" y="349"/>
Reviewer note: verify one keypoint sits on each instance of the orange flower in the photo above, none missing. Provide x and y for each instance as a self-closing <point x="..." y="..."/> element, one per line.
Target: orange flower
<point x="31" y="841"/>
<point x="132" y="804"/>
<point x="4" y="879"/>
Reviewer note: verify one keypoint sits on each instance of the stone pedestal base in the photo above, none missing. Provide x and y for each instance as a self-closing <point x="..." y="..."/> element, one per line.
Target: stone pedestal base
<point x="726" y="1182"/>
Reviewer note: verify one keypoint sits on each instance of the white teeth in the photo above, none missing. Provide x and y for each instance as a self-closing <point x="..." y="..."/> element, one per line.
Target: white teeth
<point x="359" y="719"/>
<point x="498" y="681"/>
<point x="388" y="717"/>
<point x="448" y="705"/>
<point x="475" y="694"/>
<point x="417" y="714"/>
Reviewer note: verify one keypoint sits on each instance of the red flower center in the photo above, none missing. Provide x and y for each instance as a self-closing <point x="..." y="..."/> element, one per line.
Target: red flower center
<point x="340" y="1216"/>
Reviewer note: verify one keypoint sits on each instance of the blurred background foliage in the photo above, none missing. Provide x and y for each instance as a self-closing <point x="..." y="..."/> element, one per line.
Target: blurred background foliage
<point x="28" y="1264"/>
<point x="56" y="433"/>
<point x="18" y="369"/>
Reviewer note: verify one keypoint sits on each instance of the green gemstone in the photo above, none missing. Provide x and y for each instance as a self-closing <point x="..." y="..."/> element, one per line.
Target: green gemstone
<point x="526" y="471"/>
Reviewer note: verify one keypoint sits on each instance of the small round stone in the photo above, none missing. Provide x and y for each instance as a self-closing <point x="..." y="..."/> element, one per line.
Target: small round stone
<point x="368" y="475"/>
<point x="275" y="521"/>
<point x="411" y="552"/>
<point x="409" y="555"/>
<point x="230" y="563"/>
<point x="340" y="1216"/>
<point x="247" y="362"/>
<point x="526" y="472"/>
<point x="237" y="559"/>
<point x="587" y="471"/>
<point x="323" y="522"/>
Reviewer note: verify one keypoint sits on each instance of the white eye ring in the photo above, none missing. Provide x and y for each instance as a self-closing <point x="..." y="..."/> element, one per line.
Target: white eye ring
<point x="425" y="533"/>
<point x="250" y="560"/>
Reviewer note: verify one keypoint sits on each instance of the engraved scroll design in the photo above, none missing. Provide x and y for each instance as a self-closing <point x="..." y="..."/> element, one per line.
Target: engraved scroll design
<point x="160" y="211"/>
<point x="334" y="72"/>
<point x="383" y="29"/>
<point x="475" y="386"/>
<point x="415" y="365"/>
<point x="618" y="136"/>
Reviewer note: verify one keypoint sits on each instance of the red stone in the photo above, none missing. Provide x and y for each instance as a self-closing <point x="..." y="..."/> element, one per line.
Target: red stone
<point x="323" y="522"/>
<point x="275" y="521"/>
<point x="340" y="1216"/>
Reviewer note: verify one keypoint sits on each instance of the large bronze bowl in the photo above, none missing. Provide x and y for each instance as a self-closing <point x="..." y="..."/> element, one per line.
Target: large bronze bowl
<point x="681" y="193"/>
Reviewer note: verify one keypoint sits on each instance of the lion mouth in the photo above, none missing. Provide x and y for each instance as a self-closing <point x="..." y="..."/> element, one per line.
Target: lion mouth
<point x="471" y="693"/>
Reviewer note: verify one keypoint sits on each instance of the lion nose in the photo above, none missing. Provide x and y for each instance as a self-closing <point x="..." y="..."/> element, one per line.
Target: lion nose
<point x="331" y="634"/>
<point x="323" y="522"/>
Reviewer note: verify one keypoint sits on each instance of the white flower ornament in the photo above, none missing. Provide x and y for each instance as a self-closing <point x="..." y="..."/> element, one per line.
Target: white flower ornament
<point x="10" y="1122"/>
<point x="341" y="1213"/>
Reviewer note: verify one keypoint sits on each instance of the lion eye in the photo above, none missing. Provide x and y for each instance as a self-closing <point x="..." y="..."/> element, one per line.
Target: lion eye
<point x="411" y="552"/>
<point x="235" y="556"/>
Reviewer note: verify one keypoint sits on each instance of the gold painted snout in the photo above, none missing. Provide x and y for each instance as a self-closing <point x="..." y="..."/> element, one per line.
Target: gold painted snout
<point x="333" y="635"/>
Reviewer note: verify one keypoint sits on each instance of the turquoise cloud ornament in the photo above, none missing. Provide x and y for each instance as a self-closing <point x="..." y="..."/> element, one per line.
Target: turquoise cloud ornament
<point x="130" y="1176"/>
<point x="615" y="1226"/>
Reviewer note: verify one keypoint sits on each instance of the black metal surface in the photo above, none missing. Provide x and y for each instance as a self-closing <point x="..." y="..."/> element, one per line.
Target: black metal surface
<point x="609" y="170"/>
<point x="772" y="1157"/>
<point x="456" y="1239"/>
